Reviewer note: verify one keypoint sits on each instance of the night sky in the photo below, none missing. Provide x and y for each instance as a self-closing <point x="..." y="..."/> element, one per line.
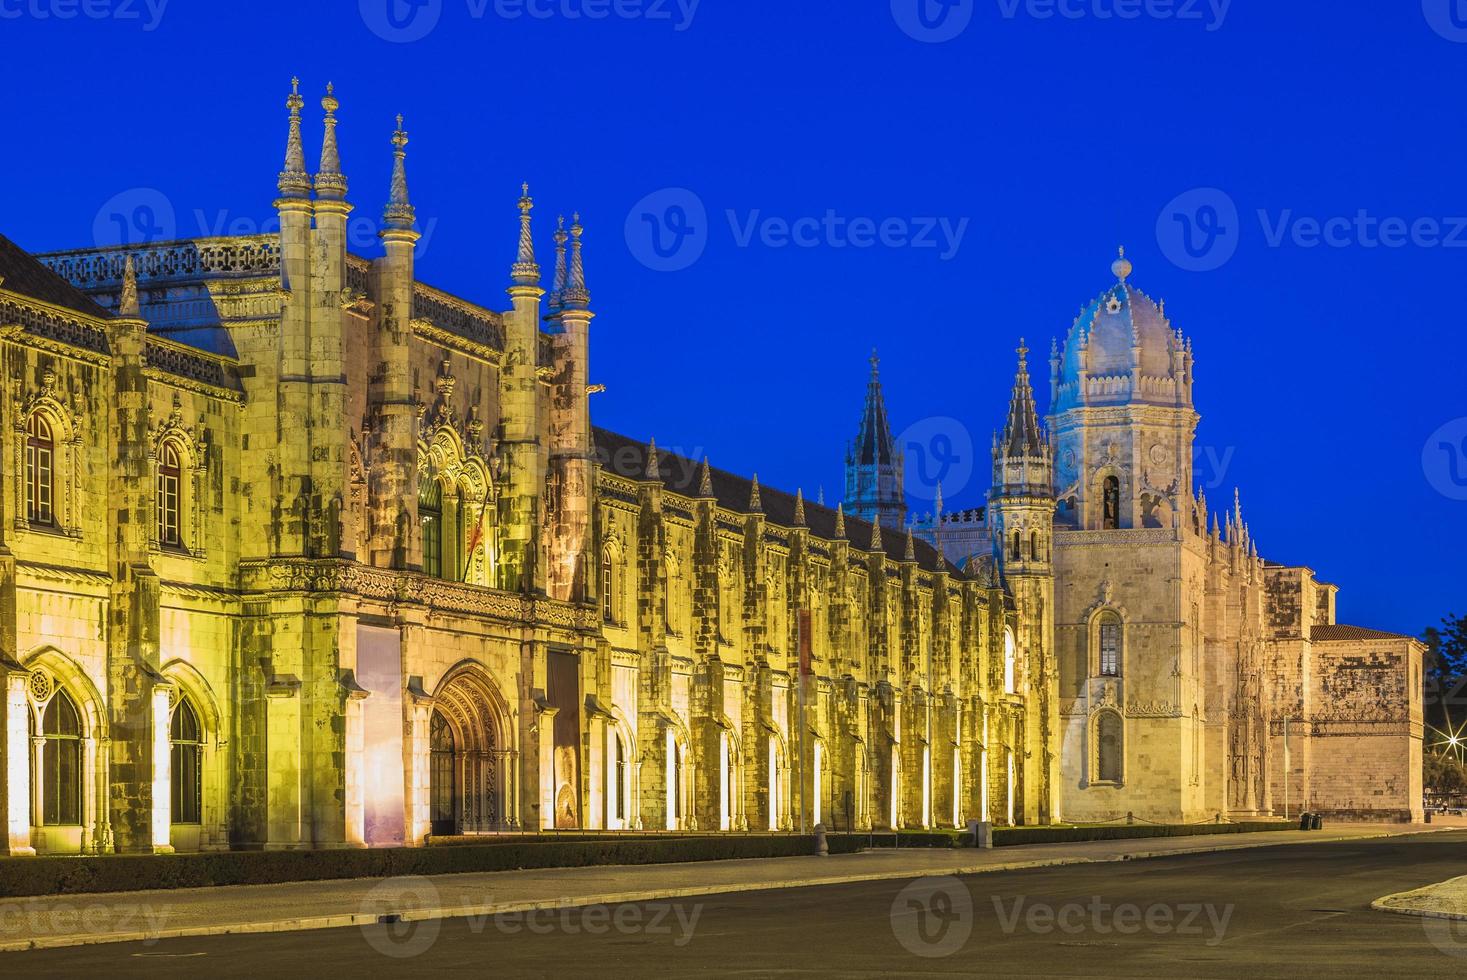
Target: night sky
<point x="969" y="171"/>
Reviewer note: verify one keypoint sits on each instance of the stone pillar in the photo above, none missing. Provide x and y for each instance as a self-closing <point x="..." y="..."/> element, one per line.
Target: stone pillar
<point x="15" y="760"/>
<point x="283" y="764"/>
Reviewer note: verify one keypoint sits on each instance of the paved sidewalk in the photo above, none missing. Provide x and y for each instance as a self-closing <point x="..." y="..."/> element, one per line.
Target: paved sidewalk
<point x="74" y="920"/>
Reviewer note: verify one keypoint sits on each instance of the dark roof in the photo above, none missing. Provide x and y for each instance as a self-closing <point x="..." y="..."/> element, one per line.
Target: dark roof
<point x="1325" y="634"/>
<point x="25" y="275"/>
<point x="1021" y="433"/>
<point x="628" y="458"/>
<point x="874" y="445"/>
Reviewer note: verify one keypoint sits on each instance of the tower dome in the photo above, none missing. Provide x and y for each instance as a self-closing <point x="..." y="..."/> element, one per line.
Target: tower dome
<point x="1123" y="345"/>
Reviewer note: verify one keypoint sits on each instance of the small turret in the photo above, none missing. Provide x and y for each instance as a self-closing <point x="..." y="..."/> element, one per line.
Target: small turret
<point x="755" y="504"/>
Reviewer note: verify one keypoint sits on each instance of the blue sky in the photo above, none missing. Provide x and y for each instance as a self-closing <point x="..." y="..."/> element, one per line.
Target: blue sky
<point x="867" y="181"/>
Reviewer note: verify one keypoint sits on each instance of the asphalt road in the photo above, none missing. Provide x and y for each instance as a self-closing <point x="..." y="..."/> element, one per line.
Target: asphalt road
<point x="1289" y="912"/>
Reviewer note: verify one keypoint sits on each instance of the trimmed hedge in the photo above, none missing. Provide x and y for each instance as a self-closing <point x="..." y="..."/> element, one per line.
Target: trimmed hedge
<point x="1016" y="836"/>
<point x="149" y="872"/>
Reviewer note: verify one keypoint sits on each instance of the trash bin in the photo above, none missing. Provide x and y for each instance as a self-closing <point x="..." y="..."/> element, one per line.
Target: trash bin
<point x="1318" y="823"/>
<point x="1306" y="821"/>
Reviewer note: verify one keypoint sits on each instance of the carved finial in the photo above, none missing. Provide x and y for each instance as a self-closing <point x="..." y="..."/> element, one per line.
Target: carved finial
<point x="799" y="519"/>
<point x="557" y="287"/>
<point x="705" y="480"/>
<point x="652" y="467"/>
<point x="755" y="504"/>
<point x="294" y="181"/>
<point x="525" y="272"/>
<point x="840" y="521"/>
<point x="911" y="553"/>
<point x="1121" y="266"/>
<point x="875" y="363"/>
<point x="576" y="295"/>
<point x="330" y="184"/>
<point x="399" y="214"/>
<point x="127" y="304"/>
<point x="937" y="503"/>
<point x="876" y="544"/>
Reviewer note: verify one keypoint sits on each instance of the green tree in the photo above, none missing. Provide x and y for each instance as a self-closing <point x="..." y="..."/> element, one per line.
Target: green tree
<point x="1445" y="676"/>
<point x="1443" y="775"/>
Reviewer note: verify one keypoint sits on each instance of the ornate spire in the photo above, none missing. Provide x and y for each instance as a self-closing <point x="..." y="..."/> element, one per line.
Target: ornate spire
<point x="652" y="467"/>
<point x="127" y="304"/>
<point x="576" y="295"/>
<point x="1121" y="266"/>
<point x="874" y="466"/>
<point x="294" y="181"/>
<point x="876" y="544"/>
<point x="937" y="505"/>
<point x="840" y="521"/>
<point x="799" y="520"/>
<point x="525" y="272"/>
<point x="557" y="289"/>
<point x="705" y="480"/>
<point x="399" y="214"/>
<point x="755" y="504"/>
<point x="911" y="553"/>
<point x="330" y="184"/>
<point x="1021" y="435"/>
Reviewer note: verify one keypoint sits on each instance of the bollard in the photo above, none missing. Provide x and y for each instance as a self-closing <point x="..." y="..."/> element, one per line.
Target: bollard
<point x="1428" y="816"/>
<point x="1130" y="817"/>
<point x="822" y="846"/>
<point x="984" y="836"/>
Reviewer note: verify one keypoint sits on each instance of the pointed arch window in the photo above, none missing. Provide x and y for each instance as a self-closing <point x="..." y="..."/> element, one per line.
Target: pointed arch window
<point x="442" y="776"/>
<point x="430" y="517"/>
<point x="40" y="471"/>
<point x="169" y="484"/>
<point x="1010" y="662"/>
<point x="621" y="778"/>
<point x="1109" y="746"/>
<point x="1110" y="645"/>
<point x="186" y="745"/>
<point x="60" y="760"/>
<point x="1111" y="503"/>
<point x="608" y="587"/>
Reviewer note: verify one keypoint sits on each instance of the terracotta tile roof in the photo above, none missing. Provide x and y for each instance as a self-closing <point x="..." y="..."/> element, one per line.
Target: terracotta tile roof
<point x="628" y="458"/>
<point x="1326" y="634"/>
<point x="24" y="275"/>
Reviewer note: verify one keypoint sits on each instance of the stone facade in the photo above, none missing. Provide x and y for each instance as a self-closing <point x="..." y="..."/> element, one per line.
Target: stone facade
<point x="298" y="551"/>
<point x="1192" y="673"/>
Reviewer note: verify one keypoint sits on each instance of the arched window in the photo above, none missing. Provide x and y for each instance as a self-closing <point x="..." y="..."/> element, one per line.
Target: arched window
<point x="1110" y="645"/>
<point x="40" y="459"/>
<point x="1010" y="659"/>
<point x="169" y="482"/>
<point x="608" y="587"/>
<point x="61" y="763"/>
<point x="186" y="748"/>
<point x="442" y="775"/>
<point x="1108" y="747"/>
<point x="1111" y="502"/>
<point x="1034" y="545"/>
<point x="430" y="517"/>
<point x="1018" y="554"/>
